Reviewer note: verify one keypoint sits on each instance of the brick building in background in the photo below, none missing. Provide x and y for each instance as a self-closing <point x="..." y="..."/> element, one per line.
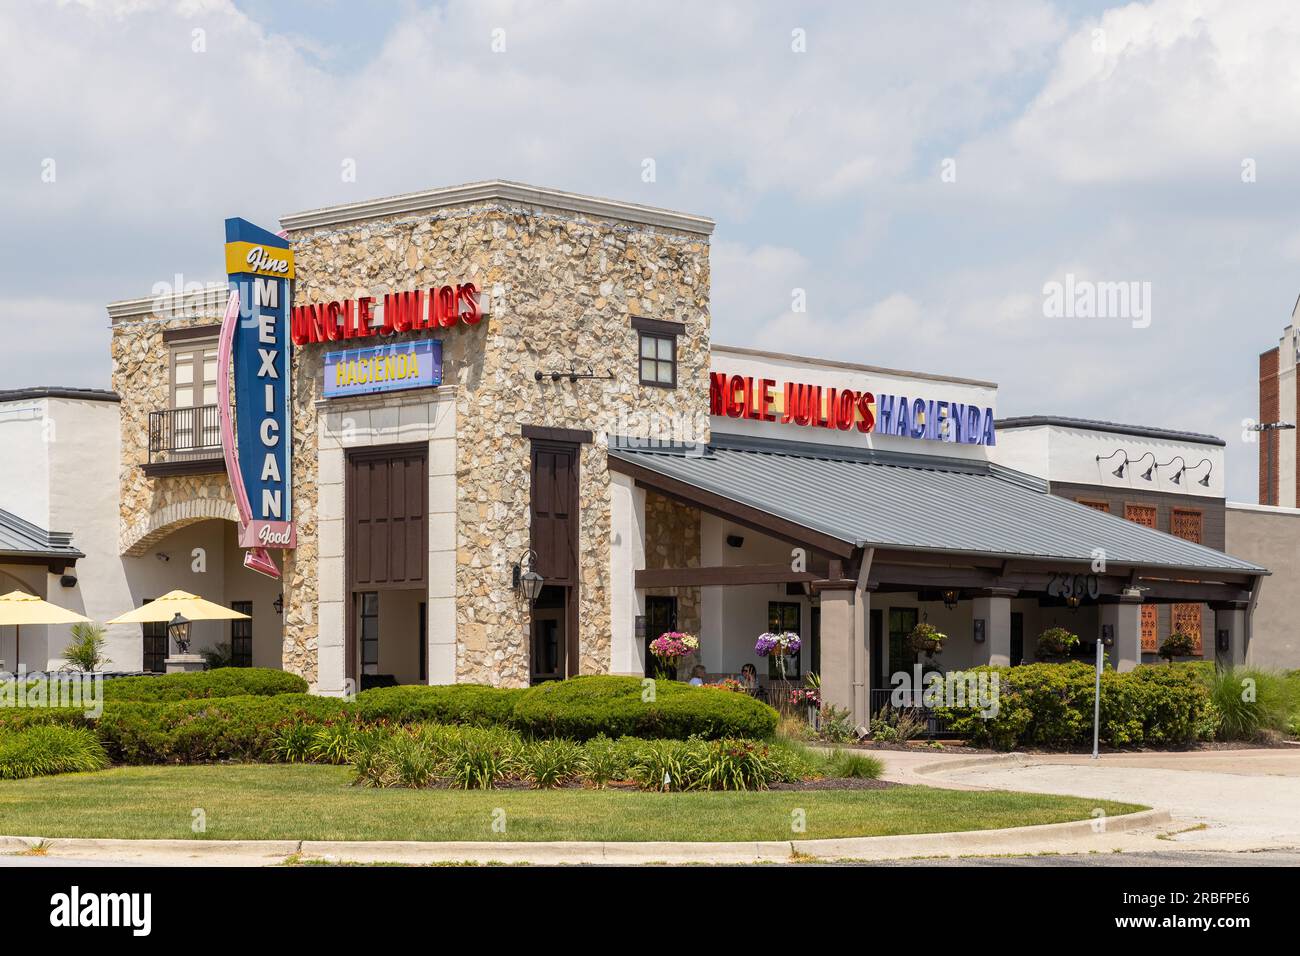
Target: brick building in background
<point x="1278" y="389"/>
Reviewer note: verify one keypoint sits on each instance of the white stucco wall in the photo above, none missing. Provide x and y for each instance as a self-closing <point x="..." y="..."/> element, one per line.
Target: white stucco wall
<point x="1069" y="455"/>
<point x="782" y="369"/>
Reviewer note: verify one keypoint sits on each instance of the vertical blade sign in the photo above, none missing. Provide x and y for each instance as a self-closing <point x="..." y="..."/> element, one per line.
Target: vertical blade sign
<point x="260" y="268"/>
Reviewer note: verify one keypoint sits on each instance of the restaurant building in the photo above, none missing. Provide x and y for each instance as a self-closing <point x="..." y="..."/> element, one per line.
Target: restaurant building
<point x="440" y="397"/>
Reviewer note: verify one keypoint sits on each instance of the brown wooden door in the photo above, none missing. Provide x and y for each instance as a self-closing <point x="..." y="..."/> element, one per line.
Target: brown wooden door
<point x="387" y="534"/>
<point x="1145" y="515"/>
<point x="387" y="498"/>
<point x="554" y="533"/>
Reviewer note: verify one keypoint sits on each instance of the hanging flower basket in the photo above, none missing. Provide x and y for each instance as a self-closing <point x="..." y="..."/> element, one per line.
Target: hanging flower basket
<point x="1056" y="642"/>
<point x="926" y="639"/>
<point x="669" y="648"/>
<point x="779" y="647"/>
<point x="1178" y="644"/>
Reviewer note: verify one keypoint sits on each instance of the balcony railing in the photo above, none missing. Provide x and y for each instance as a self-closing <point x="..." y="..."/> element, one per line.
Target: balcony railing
<point x="185" y="435"/>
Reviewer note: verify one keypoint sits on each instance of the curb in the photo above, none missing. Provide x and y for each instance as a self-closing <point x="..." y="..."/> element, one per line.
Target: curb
<point x="271" y="852"/>
<point x="964" y="763"/>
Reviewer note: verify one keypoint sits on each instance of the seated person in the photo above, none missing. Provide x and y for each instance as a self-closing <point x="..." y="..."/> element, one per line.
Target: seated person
<point x="749" y="677"/>
<point x="698" y="674"/>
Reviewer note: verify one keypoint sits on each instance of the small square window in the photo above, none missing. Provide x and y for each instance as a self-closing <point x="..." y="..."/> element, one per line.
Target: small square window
<point x="658" y="360"/>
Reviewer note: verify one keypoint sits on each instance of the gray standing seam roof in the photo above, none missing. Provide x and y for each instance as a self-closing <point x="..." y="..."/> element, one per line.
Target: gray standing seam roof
<point x="19" y="538"/>
<point x="934" y="505"/>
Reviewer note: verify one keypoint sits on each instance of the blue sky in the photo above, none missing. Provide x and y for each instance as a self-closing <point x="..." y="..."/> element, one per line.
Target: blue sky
<point x="1102" y="141"/>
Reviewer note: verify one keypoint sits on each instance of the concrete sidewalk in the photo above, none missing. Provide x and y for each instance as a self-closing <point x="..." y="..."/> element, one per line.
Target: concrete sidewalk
<point x="1229" y="800"/>
<point x="1087" y="836"/>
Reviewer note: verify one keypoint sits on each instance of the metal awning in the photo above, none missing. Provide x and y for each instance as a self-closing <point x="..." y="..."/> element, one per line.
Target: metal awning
<point x="23" y="542"/>
<point x="865" y="498"/>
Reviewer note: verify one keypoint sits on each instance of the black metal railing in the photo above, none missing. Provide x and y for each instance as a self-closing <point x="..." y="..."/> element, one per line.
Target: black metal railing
<point x="184" y="434"/>
<point x="880" y="700"/>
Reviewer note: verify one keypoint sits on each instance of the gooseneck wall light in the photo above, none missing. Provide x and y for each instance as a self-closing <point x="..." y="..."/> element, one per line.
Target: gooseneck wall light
<point x="1118" y="472"/>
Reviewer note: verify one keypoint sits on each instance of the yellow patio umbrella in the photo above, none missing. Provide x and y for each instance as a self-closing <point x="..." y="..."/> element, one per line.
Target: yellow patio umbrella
<point x="163" y="610"/>
<point x="18" y="608"/>
<point x="177" y="609"/>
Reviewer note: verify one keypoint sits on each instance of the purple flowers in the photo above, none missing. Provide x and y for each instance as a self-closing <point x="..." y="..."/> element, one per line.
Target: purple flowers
<point x="787" y="642"/>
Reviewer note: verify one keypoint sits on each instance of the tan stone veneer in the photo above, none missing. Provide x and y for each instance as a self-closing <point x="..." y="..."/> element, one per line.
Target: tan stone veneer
<point x="672" y="540"/>
<point x="562" y="287"/>
<point x="151" y="508"/>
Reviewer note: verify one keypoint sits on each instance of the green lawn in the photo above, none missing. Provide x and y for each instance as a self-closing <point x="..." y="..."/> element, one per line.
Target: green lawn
<point x="263" y="802"/>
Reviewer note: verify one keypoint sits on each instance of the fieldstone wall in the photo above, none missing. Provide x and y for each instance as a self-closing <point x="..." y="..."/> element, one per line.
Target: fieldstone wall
<point x="672" y="540"/>
<point x="562" y="291"/>
<point x="152" y="508"/>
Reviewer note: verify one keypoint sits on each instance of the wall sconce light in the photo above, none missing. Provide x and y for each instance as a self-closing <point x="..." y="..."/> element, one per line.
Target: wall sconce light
<point x="1221" y="639"/>
<point x="950" y="596"/>
<point x="526" y="578"/>
<point x="1108" y="635"/>
<point x="1118" y="472"/>
<point x="979" y="630"/>
<point x="735" y="541"/>
<point x="1179" y="473"/>
<point x="1146" y="475"/>
<point x="279" y="604"/>
<point x="1203" y="481"/>
<point x="179" y="629"/>
<point x="1072" y="601"/>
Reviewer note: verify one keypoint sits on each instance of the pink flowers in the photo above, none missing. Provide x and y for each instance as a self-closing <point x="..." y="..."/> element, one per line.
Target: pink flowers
<point x="674" y="645"/>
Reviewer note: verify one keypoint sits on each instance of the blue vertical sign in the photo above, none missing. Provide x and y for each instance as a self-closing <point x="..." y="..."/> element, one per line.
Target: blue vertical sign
<point x="259" y="265"/>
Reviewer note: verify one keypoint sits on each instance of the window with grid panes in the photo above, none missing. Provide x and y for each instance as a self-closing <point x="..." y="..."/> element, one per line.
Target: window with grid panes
<point x="658" y="360"/>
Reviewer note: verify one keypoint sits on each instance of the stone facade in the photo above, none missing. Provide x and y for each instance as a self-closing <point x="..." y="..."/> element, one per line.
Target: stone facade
<point x="672" y="540"/>
<point x="562" y="289"/>
<point x="152" y="508"/>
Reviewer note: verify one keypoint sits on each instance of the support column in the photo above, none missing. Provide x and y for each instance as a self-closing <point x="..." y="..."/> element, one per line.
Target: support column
<point x="845" y="603"/>
<point x="1123" y="616"/>
<point x="993" y="607"/>
<point x="1230" y="633"/>
<point x="626" y="557"/>
<point x="838" y="659"/>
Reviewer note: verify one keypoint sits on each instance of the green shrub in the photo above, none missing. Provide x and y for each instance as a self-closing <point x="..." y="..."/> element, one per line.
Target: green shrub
<point x="49" y="749"/>
<point x="664" y="764"/>
<point x="837" y="725"/>
<point x="1051" y="706"/>
<point x="843" y="764"/>
<point x="552" y="763"/>
<point x="474" y="704"/>
<point x="337" y="741"/>
<point x="223" y="682"/>
<point x="731" y="765"/>
<point x="606" y="760"/>
<point x="203" y="731"/>
<point x="480" y="758"/>
<point x="293" y="740"/>
<point x="1253" y="700"/>
<point x="583" y="707"/>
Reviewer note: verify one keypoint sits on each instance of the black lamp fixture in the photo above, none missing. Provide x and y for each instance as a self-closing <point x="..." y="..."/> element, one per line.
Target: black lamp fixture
<point x="526" y="578"/>
<point x="1179" y="473"/>
<point x="278" y="604"/>
<point x="1204" y="480"/>
<point x="950" y="596"/>
<point x="1146" y="475"/>
<point x="1118" y="472"/>
<point x="1072" y="601"/>
<point x="179" y="629"/>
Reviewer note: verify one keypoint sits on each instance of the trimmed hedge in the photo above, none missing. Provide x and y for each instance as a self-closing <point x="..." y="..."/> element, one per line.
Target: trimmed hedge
<point x="585" y="707"/>
<point x="201" y="731"/>
<point x="221" y="682"/>
<point x="1051" y="705"/>
<point x="475" y="704"/>
<point x="252" y="727"/>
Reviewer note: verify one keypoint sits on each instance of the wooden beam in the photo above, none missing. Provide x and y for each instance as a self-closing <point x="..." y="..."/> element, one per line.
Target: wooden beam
<point x="728" y="575"/>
